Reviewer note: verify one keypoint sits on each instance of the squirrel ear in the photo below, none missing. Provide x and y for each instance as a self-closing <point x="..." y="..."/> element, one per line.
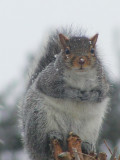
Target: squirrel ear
<point x="94" y="39"/>
<point x="63" y="40"/>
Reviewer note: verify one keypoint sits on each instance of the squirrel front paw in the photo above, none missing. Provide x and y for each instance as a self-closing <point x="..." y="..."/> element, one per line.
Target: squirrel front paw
<point x="55" y="135"/>
<point x="56" y="140"/>
<point x="87" y="147"/>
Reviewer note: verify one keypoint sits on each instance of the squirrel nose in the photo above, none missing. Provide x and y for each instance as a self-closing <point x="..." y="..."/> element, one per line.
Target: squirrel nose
<point x="81" y="61"/>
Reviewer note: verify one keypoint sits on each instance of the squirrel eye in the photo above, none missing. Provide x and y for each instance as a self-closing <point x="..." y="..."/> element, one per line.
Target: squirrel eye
<point x="67" y="51"/>
<point x="92" y="50"/>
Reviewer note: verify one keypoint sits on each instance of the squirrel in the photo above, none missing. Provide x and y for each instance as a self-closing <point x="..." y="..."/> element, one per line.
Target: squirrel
<point x="68" y="92"/>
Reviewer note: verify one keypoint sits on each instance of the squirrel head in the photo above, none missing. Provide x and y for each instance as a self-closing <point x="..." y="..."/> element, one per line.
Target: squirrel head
<point x="79" y="52"/>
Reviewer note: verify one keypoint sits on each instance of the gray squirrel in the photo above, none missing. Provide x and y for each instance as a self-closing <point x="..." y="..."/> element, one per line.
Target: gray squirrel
<point x="68" y="92"/>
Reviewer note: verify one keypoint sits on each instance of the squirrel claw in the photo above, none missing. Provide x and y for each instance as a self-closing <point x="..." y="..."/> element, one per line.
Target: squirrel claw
<point x="65" y="156"/>
<point x="71" y="134"/>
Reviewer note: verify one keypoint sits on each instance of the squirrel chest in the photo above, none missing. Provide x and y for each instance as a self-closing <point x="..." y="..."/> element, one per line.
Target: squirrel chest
<point x="83" y="115"/>
<point x="81" y="80"/>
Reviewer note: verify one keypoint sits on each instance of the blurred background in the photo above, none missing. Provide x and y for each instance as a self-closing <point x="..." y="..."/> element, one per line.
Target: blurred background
<point x="23" y="26"/>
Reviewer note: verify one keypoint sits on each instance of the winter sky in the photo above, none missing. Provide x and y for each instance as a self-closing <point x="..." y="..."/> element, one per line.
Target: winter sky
<point x="23" y="24"/>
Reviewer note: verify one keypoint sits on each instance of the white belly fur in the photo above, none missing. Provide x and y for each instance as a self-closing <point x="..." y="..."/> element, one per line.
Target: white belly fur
<point x="85" y="118"/>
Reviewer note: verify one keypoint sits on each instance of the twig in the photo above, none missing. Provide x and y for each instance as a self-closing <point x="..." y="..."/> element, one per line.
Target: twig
<point x="87" y="155"/>
<point x="108" y="147"/>
<point x="119" y="157"/>
<point x="114" y="153"/>
<point x="76" y="154"/>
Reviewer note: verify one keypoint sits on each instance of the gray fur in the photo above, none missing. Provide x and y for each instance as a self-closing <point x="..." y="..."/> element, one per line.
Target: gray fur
<point x="56" y="86"/>
<point x="53" y="48"/>
<point x="61" y="100"/>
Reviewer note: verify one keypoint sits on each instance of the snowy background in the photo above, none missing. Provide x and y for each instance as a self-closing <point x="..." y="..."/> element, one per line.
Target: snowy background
<point x="23" y="25"/>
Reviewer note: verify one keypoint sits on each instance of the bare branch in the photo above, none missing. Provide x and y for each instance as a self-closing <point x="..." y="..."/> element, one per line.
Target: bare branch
<point x="114" y="154"/>
<point x="108" y="147"/>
